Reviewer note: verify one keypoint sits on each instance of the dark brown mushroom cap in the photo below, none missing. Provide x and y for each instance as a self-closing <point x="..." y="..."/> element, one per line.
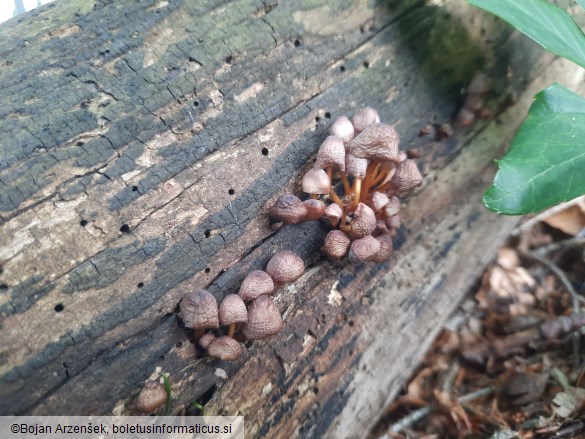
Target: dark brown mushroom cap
<point x="225" y="348"/>
<point x="378" y="200"/>
<point x="264" y="319"/>
<point x="406" y="178"/>
<point x="316" y="182"/>
<point x="385" y="249"/>
<point x="378" y="141"/>
<point x="331" y="154"/>
<point x="363" y="118"/>
<point x="342" y="128"/>
<point x="289" y="209"/>
<point x="255" y="284"/>
<point x="206" y="340"/>
<point x="336" y="244"/>
<point x="285" y="266"/>
<point x="232" y="309"/>
<point x="151" y="397"/>
<point x="315" y="209"/>
<point x="364" y="221"/>
<point x="364" y="249"/>
<point x="354" y="166"/>
<point x="334" y="213"/>
<point x="199" y="310"/>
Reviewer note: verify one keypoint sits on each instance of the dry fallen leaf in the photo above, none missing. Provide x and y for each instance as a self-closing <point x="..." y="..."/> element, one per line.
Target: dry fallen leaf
<point x="570" y="220"/>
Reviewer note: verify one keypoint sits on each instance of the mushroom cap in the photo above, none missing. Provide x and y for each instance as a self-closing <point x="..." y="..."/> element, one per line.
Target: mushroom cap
<point x="316" y="182"/>
<point x="479" y="84"/>
<point x="364" y="221"/>
<point x="315" y="209"/>
<point x="334" y="213"/>
<point x="206" y="340"/>
<point x="406" y="178"/>
<point x="264" y="319"/>
<point x="385" y="249"/>
<point x="363" y="118"/>
<point x="355" y="166"/>
<point x="285" y="266"/>
<point x="199" y="310"/>
<point x="152" y="396"/>
<point x="392" y="208"/>
<point x="378" y="200"/>
<point x="255" y="284"/>
<point x="232" y="309"/>
<point x="464" y="117"/>
<point x="393" y="222"/>
<point x="336" y="244"/>
<point x="364" y="249"/>
<point x="289" y="209"/>
<point x="225" y="348"/>
<point x="473" y="102"/>
<point x="378" y="141"/>
<point x="331" y="154"/>
<point x="342" y="128"/>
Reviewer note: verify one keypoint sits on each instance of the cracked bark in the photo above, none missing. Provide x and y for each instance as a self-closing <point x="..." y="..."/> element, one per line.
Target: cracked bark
<point x="146" y="124"/>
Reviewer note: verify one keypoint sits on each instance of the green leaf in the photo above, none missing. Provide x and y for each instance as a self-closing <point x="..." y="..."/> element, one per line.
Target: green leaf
<point x="546" y="162"/>
<point x="581" y="3"/>
<point x="548" y="25"/>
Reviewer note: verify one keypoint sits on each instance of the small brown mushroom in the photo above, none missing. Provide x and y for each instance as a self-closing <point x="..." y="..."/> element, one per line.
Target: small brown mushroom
<point x="364" y="249"/>
<point x="206" y="340"/>
<point x="285" y="266"/>
<point x="378" y="142"/>
<point x="336" y="244"/>
<point x="255" y="284"/>
<point x="334" y="213"/>
<point x="364" y="221"/>
<point x="315" y="209"/>
<point x="316" y="182"/>
<point x="406" y="178"/>
<point x="199" y="311"/>
<point x="378" y="200"/>
<point x="232" y="310"/>
<point x="392" y="208"/>
<point x="464" y="117"/>
<point x="479" y="84"/>
<point x="225" y="348"/>
<point x="289" y="209"/>
<point x="363" y="118"/>
<point x="331" y="154"/>
<point x="385" y="249"/>
<point x="342" y="128"/>
<point x="152" y="396"/>
<point x="264" y="319"/>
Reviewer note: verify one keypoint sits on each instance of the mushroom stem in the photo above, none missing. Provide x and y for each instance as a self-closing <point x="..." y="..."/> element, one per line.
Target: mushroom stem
<point x="330" y="173"/>
<point x="346" y="186"/>
<point x="379" y="178"/>
<point x="345" y="228"/>
<point x="371" y="173"/>
<point x="313" y="196"/>
<point x="336" y="199"/>
<point x="232" y="330"/>
<point x="357" y="187"/>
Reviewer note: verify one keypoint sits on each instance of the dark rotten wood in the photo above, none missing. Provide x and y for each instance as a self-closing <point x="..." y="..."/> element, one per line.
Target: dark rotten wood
<point x="141" y="144"/>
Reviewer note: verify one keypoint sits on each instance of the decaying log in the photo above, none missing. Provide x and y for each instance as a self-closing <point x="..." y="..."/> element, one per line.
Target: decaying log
<point x="141" y="145"/>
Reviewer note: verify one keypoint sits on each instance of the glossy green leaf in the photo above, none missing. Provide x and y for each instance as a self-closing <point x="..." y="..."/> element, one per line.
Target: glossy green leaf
<point x="547" y="24"/>
<point x="546" y="162"/>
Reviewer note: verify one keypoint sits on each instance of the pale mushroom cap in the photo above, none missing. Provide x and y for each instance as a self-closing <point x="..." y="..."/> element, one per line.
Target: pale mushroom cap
<point x="364" y="249"/>
<point x="354" y="166"/>
<point x="289" y="209"/>
<point x="392" y="208"/>
<point x="255" y="284"/>
<point x="342" y="128"/>
<point x="316" y="182"/>
<point x="406" y="178"/>
<point x="225" y="348"/>
<point x="364" y="221"/>
<point x="285" y="266"/>
<point x="464" y="118"/>
<point x="336" y="244"/>
<point x="479" y="84"/>
<point x="199" y="310"/>
<point x="232" y="309"/>
<point x="385" y="249"/>
<point x="151" y="397"/>
<point x="334" y="213"/>
<point x="206" y="340"/>
<point x="363" y="118"/>
<point x="378" y="200"/>
<point x="331" y="154"/>
<point x="264" y="319"/>
<point x="393" y="222"/>
<point x="473" y="102"/>
<point x="378" y="141"/>
<point x="315" y="209"/>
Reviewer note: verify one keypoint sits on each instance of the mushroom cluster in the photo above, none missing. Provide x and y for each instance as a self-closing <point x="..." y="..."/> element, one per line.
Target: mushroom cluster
<point x="473" y="106"/>
<point x="259" y="320"/>
<point x="359" y="173"/>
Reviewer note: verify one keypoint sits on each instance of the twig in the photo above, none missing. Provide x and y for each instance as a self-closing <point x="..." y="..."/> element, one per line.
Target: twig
<point x="419" y="414"/>
<point x="571" y="242"/>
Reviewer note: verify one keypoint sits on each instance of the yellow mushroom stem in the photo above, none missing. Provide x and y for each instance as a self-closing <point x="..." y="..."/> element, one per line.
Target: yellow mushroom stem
<point x="336" y="199"/>
<point x="231" y="330"/>
<point x="346" y="187"/>
<point x="330" y="173"/>
<point x="346" y="228"/>
<point x="379" y="178"/>
<point x="314" y="196"/>
<point x="357" y="188"/>
<point x="371" y="173"/>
